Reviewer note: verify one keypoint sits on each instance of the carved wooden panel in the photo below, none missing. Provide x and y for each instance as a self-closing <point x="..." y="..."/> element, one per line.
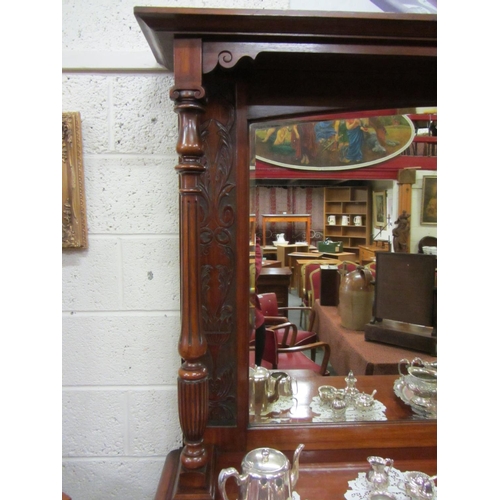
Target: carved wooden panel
<point x="74" y="217"/>
<point x="218" y="251"/>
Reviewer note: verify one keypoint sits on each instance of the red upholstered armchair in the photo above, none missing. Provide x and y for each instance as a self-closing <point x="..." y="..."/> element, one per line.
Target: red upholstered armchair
<point x="314" y="285"/>
<point x="289" y="358"/>
<point x="287" y="333"/>
<point x="347" y="266"/>
<point x="372" y="267"/>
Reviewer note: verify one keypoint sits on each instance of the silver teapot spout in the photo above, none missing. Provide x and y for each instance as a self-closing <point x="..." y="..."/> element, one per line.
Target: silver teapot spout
<point x="294" y="473"/>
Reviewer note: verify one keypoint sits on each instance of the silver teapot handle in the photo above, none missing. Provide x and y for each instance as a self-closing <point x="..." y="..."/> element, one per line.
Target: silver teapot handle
<point x="406" y="363"/>
<point x="225" y="474"/>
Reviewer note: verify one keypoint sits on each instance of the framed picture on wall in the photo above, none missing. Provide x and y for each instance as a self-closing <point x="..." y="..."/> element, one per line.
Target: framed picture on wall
<point x="74" y="219"/>
<point x="429" y="200"/>
<point x="379" y="209"/>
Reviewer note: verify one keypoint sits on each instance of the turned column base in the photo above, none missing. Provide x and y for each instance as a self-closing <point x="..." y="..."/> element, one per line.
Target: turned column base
<point x="179" y="483"/>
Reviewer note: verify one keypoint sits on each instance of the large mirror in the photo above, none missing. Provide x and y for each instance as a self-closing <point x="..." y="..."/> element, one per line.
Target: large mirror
<point x="328" y="179"/>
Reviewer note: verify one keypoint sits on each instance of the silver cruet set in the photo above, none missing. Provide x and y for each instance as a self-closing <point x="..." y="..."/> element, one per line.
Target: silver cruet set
<point x="340" y="399"/>
<point x="417" y="485"/>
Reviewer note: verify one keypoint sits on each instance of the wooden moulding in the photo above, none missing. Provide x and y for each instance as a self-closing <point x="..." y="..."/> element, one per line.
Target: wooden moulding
<point x="74" y="216"/>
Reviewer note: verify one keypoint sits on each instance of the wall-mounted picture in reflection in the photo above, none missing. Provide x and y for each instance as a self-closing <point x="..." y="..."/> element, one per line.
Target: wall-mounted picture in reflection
<point x="329" y="143"/>
<point x="379" y="209"/>
<point x="429" y="200"/>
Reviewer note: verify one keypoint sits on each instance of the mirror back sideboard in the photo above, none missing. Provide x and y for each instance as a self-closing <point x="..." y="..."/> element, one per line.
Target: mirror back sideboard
<point x="232" y="67"/>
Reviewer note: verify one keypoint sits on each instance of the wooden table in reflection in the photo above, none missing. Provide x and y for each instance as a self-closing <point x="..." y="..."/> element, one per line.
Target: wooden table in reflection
<point x="350" y="351"/>
<point x="308" y="383"/>
<point x="298" y="259"/>
<point x="271" y="263"/>
<point x="284" y="218"/>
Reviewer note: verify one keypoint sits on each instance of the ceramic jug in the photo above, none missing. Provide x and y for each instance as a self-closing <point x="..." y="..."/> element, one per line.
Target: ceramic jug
<point x="358" y="220"/>
<point x="356" y="294"/>
<point x="346" y="220"/>
<point x="263" y="389"/>
<point x="280" y="237"/>
<point x="267" y="475"/>
<point x="331" y="220"/>
<point x="378" y="476"/>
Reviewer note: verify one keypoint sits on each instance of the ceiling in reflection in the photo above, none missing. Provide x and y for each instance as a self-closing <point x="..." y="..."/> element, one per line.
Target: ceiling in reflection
<point x="403" y="6"/>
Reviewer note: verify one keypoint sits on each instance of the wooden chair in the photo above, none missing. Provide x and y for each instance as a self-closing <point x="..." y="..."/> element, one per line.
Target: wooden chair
<point x="372" y="267"/>
<point x="347" y="266"/>
<point x="306" y="270"/>
<point x="287" y="332"/>
<point x="427" y="241"/>
<point x="289" y="358"/>
<point x="314" y="286"/>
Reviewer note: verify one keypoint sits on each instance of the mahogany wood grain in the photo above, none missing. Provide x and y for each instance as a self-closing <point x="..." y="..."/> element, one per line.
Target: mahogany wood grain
<point x="193" y="374"/>
<point x="232" y="66"/>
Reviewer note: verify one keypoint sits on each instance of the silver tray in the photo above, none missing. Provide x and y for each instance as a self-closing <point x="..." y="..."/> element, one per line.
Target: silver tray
<point x="408" y="397"/>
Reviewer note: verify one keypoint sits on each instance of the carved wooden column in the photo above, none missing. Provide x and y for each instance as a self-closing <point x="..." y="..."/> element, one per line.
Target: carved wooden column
<point x="188" y="95"/>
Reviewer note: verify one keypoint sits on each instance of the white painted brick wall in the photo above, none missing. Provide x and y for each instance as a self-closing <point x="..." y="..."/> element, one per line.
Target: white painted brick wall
<point x="120" y="300"/>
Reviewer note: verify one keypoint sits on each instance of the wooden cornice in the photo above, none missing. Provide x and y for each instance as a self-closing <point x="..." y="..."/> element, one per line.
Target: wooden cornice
<point x="229" y="35"/>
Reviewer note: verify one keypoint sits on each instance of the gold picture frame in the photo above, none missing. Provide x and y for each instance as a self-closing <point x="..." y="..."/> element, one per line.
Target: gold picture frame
<point x="74" y="217"/>
<point x="379" y="209"/>
<point x="428" y="213"/>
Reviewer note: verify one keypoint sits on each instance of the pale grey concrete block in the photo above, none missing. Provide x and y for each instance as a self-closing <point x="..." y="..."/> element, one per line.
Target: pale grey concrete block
<point x="144" y="120"/>
<point x="94" y="423"/>
<point x="89" y="94"/>
<point x="151" y="274"/>
<point x="108" y="24"/>
<point x="132" y="195"/>
<point x="154" y="422"/>
<point x="120" y="350"/>
<point x="124" y="479"/>
<point x="91" y="277"/>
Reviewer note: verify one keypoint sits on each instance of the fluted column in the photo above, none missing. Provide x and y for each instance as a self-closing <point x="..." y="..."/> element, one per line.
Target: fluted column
<point x="193" y="375"/>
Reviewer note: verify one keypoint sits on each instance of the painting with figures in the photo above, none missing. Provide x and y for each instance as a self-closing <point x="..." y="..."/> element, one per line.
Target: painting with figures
<point x="332" y="143"/>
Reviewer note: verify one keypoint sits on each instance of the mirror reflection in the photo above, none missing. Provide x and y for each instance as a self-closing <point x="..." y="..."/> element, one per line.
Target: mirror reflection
<point x="343" y="266"/>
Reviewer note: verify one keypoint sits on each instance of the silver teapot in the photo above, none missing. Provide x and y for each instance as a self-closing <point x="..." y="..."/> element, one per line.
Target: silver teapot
<point x="263" y="389"/>
<point x="267" y="475"/>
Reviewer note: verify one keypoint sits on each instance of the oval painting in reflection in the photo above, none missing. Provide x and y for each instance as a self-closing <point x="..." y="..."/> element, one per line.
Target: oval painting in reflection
<point x="333" y="144"/>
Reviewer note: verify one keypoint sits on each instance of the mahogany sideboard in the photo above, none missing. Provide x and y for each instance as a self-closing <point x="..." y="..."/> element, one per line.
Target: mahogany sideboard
<point x="232" y="68"/>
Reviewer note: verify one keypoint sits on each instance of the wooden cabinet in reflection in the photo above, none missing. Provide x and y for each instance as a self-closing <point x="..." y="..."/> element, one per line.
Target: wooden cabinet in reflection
<point x="277" y="280"/>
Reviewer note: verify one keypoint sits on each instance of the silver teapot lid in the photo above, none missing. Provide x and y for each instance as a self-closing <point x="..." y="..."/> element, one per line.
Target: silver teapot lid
<point x="265" y="461"/>
<point x="260" y="372"/>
